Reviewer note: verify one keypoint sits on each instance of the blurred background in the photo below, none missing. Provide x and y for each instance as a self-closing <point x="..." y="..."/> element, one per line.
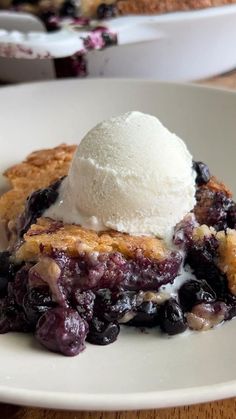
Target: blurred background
<point x="170" y="40"/>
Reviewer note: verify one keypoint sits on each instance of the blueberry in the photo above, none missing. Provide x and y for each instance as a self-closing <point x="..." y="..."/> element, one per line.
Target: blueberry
<point x="203" y="173"/>
<point x="114" y="305"/>
<point x="102" y="332"/>
<point x="147" y="315"/>
<point x="106" y="11"/>
<point x="62" y="330"/>
<point x="68" y="9"/>
<point x="36" y="204"/>
<point x="194" y="292"/>
<point x="36" y="302"/>
<point x="172" y="319"/>
<point x="121" y="304"/>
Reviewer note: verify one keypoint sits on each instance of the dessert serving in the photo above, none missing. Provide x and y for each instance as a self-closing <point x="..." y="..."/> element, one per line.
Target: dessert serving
<point x="126" y="229"/>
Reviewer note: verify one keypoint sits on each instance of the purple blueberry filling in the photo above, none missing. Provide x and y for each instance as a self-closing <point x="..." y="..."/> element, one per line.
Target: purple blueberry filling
<point x="94" y="291"/>
<point x="92" y="294"/>
<point x="114" y="271"/>
<point x="86" y="298"/>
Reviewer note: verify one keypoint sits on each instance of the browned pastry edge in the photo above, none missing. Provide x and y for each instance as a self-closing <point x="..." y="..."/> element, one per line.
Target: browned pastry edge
<point x="227" y="256"/>
<point x="37" y="171"/>
<point x="126" y="7"/>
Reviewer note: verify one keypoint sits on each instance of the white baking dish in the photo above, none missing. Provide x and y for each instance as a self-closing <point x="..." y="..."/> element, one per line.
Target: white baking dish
<point x="176" y="46"/>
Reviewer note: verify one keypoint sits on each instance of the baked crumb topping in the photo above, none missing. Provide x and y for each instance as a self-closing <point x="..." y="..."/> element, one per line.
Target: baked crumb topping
<point x="72" y="239"/>
<point x="38" y="170"/>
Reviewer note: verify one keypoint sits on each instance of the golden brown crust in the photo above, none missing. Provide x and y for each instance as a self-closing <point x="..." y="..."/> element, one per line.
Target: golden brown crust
<point x="38" y="170"/>
<point x="216" y="186"/>
<point x="162" y="6"/>
<point x="227" y="256"/>
<point x="73" y="239"/>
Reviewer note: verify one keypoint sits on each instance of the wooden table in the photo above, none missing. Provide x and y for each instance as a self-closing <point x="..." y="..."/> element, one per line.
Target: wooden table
<point x="218" y="410"/>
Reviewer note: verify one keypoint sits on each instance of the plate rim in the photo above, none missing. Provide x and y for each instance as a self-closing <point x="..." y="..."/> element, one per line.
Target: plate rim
<point x="118" y="401"/>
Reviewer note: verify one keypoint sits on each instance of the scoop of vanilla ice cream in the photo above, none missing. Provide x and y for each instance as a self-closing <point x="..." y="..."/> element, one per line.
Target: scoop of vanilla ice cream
<point x="129" y="174"/>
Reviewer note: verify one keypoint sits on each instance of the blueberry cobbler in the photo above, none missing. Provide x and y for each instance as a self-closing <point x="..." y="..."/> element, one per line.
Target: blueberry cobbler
<point x="125" y="229"/>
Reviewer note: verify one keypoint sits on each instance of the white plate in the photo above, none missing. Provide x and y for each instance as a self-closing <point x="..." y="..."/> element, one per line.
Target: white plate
<point x="139" y="370"/>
